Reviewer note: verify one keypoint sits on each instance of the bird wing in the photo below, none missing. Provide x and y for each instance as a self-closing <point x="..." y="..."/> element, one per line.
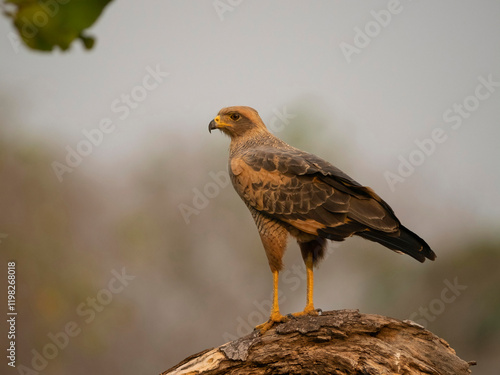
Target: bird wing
<point x="308" y="193"/>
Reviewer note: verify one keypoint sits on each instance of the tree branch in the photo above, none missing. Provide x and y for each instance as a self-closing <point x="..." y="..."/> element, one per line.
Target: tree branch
<point x="336" y="342"/>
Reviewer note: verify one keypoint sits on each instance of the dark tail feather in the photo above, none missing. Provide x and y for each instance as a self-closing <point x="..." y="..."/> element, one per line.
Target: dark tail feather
<point x="406" y="242"/>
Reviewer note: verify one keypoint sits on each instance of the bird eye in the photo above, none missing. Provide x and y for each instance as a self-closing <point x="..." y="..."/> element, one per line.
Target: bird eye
<point x="234" y="116"/>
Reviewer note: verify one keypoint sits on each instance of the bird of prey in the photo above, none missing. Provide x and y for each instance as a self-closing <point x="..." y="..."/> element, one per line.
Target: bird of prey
<point x="292" y="192"/>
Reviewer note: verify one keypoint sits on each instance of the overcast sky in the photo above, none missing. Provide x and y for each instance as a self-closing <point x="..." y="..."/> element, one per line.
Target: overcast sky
<point x="388" y="75"/>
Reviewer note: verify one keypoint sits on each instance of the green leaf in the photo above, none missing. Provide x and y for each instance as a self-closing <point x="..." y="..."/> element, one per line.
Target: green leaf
<point x="45" y="24"/>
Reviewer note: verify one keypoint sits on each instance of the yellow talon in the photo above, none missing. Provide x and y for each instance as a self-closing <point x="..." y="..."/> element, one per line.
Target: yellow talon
<point x="276" y="316"/>
<point x="309" y="309"/>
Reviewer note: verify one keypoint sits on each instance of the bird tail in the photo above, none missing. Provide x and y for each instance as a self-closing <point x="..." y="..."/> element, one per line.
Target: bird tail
<point x="406" y="242"/>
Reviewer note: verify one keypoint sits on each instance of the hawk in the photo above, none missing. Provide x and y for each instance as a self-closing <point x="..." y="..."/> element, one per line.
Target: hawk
<point x="293" y="192"/>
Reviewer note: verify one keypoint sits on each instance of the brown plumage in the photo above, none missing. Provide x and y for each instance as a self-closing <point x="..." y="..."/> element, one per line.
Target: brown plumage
<point x="289" y="191"/>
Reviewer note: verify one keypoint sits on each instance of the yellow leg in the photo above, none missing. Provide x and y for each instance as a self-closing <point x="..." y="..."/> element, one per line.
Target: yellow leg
<point x="309" y="309"/>
<point x="276" y="316"/>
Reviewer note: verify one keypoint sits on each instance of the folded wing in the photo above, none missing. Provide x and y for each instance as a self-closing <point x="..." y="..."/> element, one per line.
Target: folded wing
<point x="315" y="197"/>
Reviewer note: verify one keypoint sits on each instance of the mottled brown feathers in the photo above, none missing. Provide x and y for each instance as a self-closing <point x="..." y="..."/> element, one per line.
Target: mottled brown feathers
<point x="291" y="191"/>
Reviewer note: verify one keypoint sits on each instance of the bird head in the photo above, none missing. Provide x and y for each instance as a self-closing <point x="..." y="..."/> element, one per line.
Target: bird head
<point x="237" y="121"/>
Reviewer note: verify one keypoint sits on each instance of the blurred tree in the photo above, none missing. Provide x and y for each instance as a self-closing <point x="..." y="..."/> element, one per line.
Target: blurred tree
<point x="42" y="25"/>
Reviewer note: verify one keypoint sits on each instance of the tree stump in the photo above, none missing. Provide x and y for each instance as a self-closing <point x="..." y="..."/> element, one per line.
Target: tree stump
<point x="335" y="342"/>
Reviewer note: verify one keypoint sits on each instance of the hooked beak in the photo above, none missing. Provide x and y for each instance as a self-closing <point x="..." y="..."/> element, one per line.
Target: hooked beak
<point x="212" y="126"/>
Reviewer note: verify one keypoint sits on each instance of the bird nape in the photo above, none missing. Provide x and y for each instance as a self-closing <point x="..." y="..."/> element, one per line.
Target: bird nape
<point x="292" y="192"/>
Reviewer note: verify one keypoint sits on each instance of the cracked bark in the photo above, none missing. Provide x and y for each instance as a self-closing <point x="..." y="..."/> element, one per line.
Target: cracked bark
<point x="336" y="342"/>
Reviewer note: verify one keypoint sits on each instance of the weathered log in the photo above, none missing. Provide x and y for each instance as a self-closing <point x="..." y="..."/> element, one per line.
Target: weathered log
<point x="335" y="342"/>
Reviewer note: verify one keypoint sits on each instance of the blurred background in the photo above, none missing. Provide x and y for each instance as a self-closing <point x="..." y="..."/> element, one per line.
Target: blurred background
<point x="132" y="250"/>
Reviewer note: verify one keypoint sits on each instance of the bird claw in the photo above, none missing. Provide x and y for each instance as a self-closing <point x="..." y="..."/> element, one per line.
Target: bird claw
<point x="274" y="319"/>
<point x="311" y="311"/>
<point x="278" y="318"/>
